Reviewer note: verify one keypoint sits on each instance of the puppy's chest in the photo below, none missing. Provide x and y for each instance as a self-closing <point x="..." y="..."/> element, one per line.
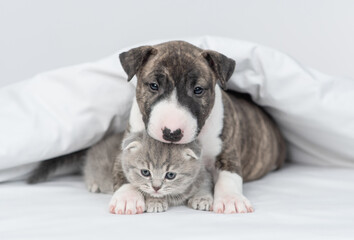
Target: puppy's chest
<point x="210" y="135"/>
<point x="211" y="143"/>
<point x="211" y="148"/>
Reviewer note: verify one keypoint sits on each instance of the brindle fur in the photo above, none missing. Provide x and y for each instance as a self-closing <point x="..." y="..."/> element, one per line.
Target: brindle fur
<point x="252" y="144"/>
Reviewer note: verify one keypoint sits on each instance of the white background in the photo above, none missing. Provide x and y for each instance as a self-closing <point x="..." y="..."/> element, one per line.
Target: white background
<point x="40" y="35"/>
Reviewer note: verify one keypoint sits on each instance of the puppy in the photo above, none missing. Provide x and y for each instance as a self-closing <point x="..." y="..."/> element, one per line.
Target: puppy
<point x="179" y="98"/>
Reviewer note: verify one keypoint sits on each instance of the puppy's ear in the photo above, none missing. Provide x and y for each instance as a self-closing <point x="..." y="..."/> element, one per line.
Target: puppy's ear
<point x="221" y="65"/>
<point x="135" y="58"/>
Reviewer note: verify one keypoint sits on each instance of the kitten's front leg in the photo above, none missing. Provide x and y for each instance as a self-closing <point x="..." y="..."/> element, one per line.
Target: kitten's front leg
<point x="203" y="202"/>
<point x="228" y="197"/>
<point x="203" y="199"/>
<point x="127" y="200"/>
<point x="154" y="205"/>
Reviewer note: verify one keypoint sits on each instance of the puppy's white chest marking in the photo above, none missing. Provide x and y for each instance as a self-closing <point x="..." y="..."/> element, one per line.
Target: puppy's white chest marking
<point x="210" y="133"/>
<point x="136" y="118"/>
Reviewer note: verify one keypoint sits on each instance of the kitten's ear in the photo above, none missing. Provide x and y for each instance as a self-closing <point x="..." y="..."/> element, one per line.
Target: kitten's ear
<point x="131" y="143"/>
<point x="188" y="153"/>
<point x="194" y="151"/>
<point x="133" y="146"/>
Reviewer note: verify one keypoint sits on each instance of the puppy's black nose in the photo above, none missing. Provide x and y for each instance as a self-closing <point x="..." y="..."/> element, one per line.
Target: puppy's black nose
<point x="156" y="188"/>
<point x="172" y="136"/>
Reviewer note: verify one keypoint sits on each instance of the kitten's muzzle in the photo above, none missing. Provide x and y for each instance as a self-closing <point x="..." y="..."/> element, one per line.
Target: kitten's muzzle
<point x="156" y="188"/>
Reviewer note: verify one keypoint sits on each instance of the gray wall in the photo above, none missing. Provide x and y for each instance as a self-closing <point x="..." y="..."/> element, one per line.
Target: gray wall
<point x="39" y="35"/>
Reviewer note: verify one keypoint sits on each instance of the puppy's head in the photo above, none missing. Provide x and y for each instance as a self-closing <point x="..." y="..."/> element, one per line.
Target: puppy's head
<point x="176" y="87"/>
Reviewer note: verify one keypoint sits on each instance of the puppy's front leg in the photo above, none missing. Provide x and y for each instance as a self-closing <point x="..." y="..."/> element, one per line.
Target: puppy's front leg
<point x="127" y="200"/>
<point x="228" y="197"/>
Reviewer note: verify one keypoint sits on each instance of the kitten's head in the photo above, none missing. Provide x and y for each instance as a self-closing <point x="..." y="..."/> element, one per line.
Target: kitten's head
<point x="160" y="169"/>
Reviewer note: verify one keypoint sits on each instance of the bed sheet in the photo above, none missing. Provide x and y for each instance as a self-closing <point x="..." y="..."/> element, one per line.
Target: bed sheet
<point x="297" y="202"/>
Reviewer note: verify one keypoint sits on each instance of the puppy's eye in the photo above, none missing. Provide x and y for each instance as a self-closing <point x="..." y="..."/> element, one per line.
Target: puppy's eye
<point x="198" y="90"/>
<point x="154" y="86"/>
<point x="170" y="175"/>
<point x="145" y="172"/>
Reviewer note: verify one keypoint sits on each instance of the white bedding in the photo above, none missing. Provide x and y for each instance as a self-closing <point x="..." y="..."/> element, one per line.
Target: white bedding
<point x="296" y="202"/>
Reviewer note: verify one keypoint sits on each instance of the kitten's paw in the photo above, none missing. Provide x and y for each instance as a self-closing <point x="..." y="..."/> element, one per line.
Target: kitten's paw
<point x="93" y="188"/>
<point x="127" y="200"/>
<point x="203" y="203"/>
<point x="232" y="203"/>
<point x="96" y="187"/>
<point x="154" y="205"/>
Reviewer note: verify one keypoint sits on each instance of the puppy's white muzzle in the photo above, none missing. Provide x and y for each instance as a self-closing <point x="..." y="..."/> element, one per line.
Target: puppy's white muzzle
<point x="171" y="122"/>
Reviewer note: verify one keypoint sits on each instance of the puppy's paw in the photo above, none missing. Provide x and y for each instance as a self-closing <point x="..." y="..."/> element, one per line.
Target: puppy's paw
<point x="232" y="203"/>
<point x="127" y="200"/>
<point x="155" y="205"/>
<point x="203" y="203"/>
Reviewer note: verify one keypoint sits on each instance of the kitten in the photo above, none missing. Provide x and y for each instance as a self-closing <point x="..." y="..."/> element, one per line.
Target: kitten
<point x="157" y="174"/>
<point x="96" y="164"/>
<point x="151" y="175"/>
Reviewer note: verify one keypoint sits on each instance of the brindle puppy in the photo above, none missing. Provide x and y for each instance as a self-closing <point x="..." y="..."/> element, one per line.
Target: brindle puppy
<point x="178" y="100"/>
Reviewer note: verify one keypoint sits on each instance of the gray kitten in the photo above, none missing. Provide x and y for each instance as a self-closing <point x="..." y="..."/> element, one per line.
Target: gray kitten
<point x="98" y="164"/>
<point x="150" y="175"/>
<point x="146" y="175"/>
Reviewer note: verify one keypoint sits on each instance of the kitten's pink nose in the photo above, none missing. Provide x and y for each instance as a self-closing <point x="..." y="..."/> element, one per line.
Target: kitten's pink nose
<point x="156" y="188"/>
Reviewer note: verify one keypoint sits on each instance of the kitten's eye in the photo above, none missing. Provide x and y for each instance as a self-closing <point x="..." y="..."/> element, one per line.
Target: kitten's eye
<point x="198" y="90"/>
<point x="145" y="172"/>
<point x="154" y="86"/>
<point x="170" y="175"/>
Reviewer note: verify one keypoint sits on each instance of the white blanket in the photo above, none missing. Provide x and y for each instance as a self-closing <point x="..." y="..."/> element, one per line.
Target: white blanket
<point x="295" y="203"/>
<point x="71" y="108"/>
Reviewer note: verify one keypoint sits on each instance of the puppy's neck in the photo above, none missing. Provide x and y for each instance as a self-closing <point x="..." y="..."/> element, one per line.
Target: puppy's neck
<point x="136" y="118"/>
